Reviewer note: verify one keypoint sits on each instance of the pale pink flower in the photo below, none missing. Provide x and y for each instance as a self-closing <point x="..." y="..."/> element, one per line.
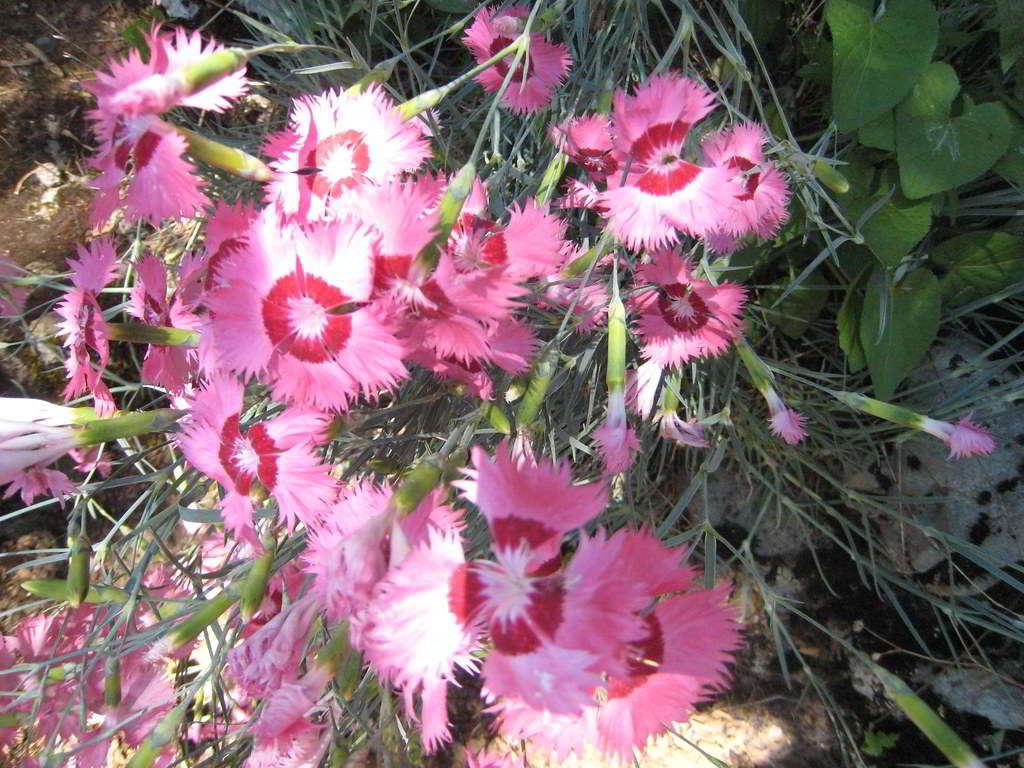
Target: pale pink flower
<point x="165" y="366"/>
<point x="965" y="438"/>
<point x="762" y="205"/>
<point x="33" y="432"/>
<point x="539" y="72"/>
<point x="39" y="481"/>
<point x="92" y="458"/>
<point x="663" y="192"/>
<point x="642" y="387"/>
<point x="531" y="244"/>
<point x="588" y="143"/>
<point x="589" y="303"/>
<point x="413" y="638"/>
<point x="617" y="440"/>
<point x="279" y="454"/>
<point x="337" y="143"/>
<point x="689" y="432"/>
<point x="292" y="307"/>
<point x="82" y="324"/>
<point x="784" y="422"/>
<point x="285" y="711"/>
<point x="226" y="233"/>
<point x="682" y="317"/>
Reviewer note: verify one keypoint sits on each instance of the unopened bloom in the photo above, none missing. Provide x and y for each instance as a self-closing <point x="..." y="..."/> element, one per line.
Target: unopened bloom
<point x="965" y="438"/>
<point x="539" y="72"/>
<point x="83" y="326"/>
<point x="784" y="421"/>
<point x="690" y="432"/>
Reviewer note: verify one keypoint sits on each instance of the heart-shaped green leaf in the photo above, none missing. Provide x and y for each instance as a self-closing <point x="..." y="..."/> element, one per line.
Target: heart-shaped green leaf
<point x="893" y="224"/>
<point x="875" y="63"/>
<point x="979" y="264"/>
<point x="880" y="133"/>
<point x="937" y="152"/>
<point x="897" y="326"/>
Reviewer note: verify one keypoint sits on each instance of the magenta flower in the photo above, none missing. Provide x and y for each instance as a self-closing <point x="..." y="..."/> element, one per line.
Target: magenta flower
<point x="531" y="244"/>
<point x="83" y="326"/>
<point x="292" y="306"/>
<point x="682" y="317"/>
<point x="663" y="192"/>
<point x="539" y="72"/>
<point x="279" y="454"/>
<point x="617" y="440"/>
<point x="690" y="432"/>
<point x="165" y="366"/>
<point x="588" y="143"/>
<point x="337" y="143"/>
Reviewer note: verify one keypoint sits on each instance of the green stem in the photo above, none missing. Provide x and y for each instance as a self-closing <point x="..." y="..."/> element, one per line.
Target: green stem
<point x="162" y="335"/>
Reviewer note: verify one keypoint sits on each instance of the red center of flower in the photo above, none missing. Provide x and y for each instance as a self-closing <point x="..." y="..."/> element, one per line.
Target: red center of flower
<point x="442" y="308"/>
<point x="542" y="616"/>
<point x="249" y="456"/>
<point x="501" y="67"/>
<point x="645" y="659"/>
<point x="743" y="165"/>
<point x="660" y="144"/>
<point x="299" y="315"/>
<point x="341" y="161"/>
<point x="484" y="242"/>
<point x="511" y="532"/>
<point x="683" y="308"/>
<point x="225" y="251"/>
<point x="144" y="149"/>
<point x="599" y="163"/>
<point x="668" y="180"/>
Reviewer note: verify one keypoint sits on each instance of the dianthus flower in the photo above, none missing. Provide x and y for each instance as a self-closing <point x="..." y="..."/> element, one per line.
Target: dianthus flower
<point x="784" y="421"/>
<point x="292" y="306"/>
<point x="588" y="143"/>
<point x="165" y="366"/>
<point x="278" y="453"/>
<point x="539" y="72"/>
<point x="336" y="144"/>
<point x="663" y="192"/>
<point x="83" y="326"/>
<point x="761" y="206"/>
<point x="965" y="438"/>
<point x="681" y="316"/>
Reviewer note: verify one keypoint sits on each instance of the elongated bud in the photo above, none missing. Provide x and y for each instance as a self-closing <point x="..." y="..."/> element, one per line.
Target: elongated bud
<point x="830" y="177"/>
<point x="760" y="374"/>
<point x="616" y="375"/>
<point x="112" y="682"/>
<point x="162" y="735"/>
<point x="229" y="159"/>
<point x="254" y="588"/>
<point x="925" y="718"/>
<point x="162" y="335"/>
<point x="57" y="589"/>
<point x="78" y="569"/>
<point x="127" y="425"/>
<point x="421" y="480"/>
<point x="193" y="626"/>
<point x="883" y="410"/>
<point x="552" y="175"/>
<point x="379" y="74"/>
<point x="449" y="210"/>
<point x="540" y="380"/>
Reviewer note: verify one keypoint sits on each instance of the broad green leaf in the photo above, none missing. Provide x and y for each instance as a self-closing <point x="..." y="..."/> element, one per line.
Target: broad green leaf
<point x="880" y="133"/>
<point x="979" y="264"/>
<point x="897" y="326"/>
<point x="1011" y="165"/>
<point x="875" y="63"/>
<point x="894" y="224"/>
<point x="937" y="152"/>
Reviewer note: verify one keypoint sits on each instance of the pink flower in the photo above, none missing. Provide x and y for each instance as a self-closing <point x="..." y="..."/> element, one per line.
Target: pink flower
<point x="784" y="422"/>
<point x="165" y="366"/>
<point x="642" y="387"/>
<point x="292" y="305"/>
<point x="761" y="207"/>
<point x="588" y="302"/>
<point x="531" y="244"/>
<point x="39" y="481"/>
<point x="337" y="143"/>
<point x="163" y="183"/>
<point x="681" y="316"/>
<point x="271" y="655"/>
<point x="965" y="438"/>
<point x="83" y="326"/>
<point x="588" y="143"/>
<point x="539" y="72"/>
<point x="278" y="453"/>
<point x="135" y="87"/>
<point x="664" y="192"/>
<point x="690" y="432"/>
<point x="617" y="440"/>
<point x="413" y="638"/>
